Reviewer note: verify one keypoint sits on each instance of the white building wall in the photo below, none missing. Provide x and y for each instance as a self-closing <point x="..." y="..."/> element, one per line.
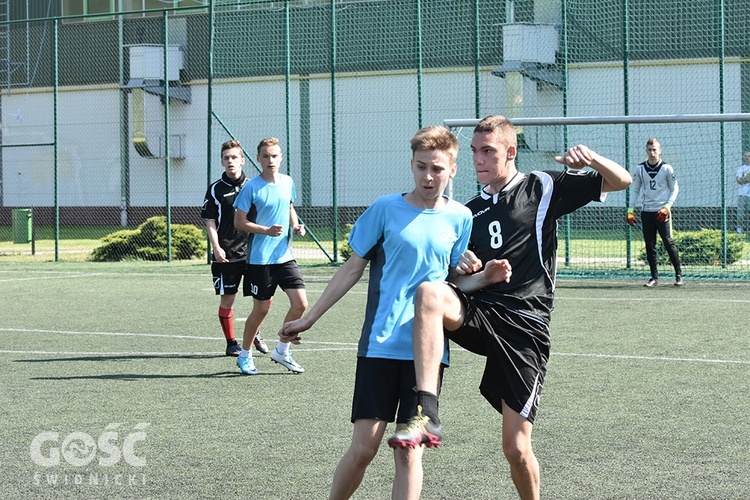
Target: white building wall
<point x="376" y="116"/>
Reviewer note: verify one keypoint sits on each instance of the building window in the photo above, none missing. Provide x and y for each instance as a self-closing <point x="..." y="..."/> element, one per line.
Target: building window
<point x="89" y="7"/>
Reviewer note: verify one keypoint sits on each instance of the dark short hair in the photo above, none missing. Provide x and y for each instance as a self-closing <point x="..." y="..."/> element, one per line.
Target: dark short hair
<point x="500" y="126"/>
<point x="232" y="144"/>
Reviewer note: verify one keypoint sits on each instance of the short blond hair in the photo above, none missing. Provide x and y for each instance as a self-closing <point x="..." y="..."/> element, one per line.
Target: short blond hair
<point x="435" y="138"/>
<point x="268" y="141"/>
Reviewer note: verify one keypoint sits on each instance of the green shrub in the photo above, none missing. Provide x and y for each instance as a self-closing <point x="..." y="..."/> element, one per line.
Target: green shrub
<point x="701" y="248"/>
<point x="149" y="242"/>
<point x="115" y="245"/>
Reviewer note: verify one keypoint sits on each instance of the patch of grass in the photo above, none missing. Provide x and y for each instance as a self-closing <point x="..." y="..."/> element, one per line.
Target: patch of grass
<point x="643" y="398"/>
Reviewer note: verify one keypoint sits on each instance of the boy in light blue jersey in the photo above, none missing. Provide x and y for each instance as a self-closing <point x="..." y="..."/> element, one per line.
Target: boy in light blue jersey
<point x="407" y="239"/>
<point x="264" y="209"/>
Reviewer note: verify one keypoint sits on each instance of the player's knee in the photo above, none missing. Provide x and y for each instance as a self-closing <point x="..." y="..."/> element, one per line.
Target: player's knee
<point x="518" y="453"/>
<point x="297" y="310"/>
<point x="362" y="454"/>
<point x="261" y="308"/>
<point x="408" y="457"/>
<point x="429" y="294"/>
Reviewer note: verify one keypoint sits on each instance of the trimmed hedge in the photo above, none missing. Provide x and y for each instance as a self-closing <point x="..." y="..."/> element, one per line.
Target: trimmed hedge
<point x="701" y="248"/>
<point x="149" y="242"/>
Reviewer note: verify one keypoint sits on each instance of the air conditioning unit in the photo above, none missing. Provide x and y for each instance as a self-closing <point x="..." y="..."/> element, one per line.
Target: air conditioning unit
<point x="147" y="62"/>
<point x="530" y="42"/>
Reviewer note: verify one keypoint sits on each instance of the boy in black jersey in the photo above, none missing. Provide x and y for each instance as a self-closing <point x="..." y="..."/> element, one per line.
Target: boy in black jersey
<point x="229" y="244"/>
<point x="504" y="317"/>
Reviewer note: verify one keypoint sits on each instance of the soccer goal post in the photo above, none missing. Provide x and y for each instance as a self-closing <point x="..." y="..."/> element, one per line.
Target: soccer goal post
<point x="705" y="150"/>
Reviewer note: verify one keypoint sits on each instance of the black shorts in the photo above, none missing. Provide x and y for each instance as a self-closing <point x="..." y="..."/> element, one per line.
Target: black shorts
<point x="383" y="386"/>
<point x="517" y="349"/>
<point x="227" y="276"/>
<point x="261" y="280"/>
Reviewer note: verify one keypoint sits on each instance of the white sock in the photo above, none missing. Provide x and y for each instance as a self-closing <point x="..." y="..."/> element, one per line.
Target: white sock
<point x="282" y="347"/>
<point x="245" y="353"/>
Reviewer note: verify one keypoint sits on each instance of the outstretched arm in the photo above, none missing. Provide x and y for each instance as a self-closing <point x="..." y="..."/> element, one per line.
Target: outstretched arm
<point x="469" y="278"/>
<point x="342" y="282"/>
<point x="616" y="177"/>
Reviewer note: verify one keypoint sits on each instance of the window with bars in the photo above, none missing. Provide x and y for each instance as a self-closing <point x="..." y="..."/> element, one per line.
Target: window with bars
<point x="137" y="8"/>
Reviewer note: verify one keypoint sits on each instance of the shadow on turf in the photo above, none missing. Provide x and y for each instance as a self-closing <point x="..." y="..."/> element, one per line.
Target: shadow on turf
<point x="121" y="357"/>
<point x="142" y="376"/>
<point x="135" y="376"/>
<point x="591" y="284"/>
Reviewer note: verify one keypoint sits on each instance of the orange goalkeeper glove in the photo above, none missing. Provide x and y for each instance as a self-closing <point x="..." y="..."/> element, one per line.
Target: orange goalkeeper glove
<point x="631" y="217"/>
<point x="662" y="215"/>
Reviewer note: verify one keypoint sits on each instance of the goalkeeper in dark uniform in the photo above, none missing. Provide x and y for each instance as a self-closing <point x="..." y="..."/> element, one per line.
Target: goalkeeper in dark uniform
<point x="655" y="189"/>
<point x="229" y="244"/>
<point x="504" y="318"/>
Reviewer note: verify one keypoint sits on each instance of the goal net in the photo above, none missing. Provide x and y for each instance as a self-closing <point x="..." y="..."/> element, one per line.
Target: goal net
<point x="705" y="151"/>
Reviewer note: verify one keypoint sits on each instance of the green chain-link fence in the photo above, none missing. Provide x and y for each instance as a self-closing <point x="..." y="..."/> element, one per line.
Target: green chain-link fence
<point x="87" y="120"/>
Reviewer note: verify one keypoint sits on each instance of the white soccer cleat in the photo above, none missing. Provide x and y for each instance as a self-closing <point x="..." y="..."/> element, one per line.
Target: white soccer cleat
<point x="287" y="361"/>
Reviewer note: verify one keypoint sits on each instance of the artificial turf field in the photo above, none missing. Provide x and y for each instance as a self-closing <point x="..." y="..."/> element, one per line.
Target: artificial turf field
<point x="114" y="385"/>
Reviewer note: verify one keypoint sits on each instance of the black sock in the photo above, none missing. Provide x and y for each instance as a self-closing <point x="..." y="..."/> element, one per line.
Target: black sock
<point x="429" y="404"/>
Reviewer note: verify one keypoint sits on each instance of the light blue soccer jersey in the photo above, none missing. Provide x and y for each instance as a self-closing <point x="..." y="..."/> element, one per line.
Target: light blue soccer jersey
<point x="406" y="246"/>
<point x="267" y="204"/>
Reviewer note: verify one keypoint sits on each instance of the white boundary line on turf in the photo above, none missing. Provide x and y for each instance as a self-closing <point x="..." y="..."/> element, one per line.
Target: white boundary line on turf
<point x="353" y="348"/>
<point x="156" y="335"/>
<point x="651" y="358"/>
<point x="345" y="346"/>
<point x="102" y="273"/>
<point x="66" y="276"/>
<point x="112" y="334"/>
<point x="650" y="299"/>
<point x="212" y="354"/>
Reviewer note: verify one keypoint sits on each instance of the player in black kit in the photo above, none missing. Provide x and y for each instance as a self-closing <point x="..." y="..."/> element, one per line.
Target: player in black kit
<point x="504" y="316"/>
<point x="229" y="244"/>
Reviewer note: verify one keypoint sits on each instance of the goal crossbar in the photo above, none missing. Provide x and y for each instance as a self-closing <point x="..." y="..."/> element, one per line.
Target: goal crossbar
<point x="611" y="120"/>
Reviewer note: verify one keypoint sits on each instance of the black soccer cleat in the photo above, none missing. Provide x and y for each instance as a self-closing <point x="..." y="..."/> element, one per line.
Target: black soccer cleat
<point x="233" y="349"/>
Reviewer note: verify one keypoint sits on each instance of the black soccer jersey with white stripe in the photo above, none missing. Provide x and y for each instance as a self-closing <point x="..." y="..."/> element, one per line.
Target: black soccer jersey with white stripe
<point x="520" y="224"/>
<point x="219" y="206"/>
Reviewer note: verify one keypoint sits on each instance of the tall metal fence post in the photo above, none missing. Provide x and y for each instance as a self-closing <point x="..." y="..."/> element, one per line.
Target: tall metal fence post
<point x="477" y="91"/>
<point x="334" y="166"/>
<point x="419" y="62"/>
<point x="564" y="41"/>
<point x="626" y="112"/>
<point x="722" y="98"/>
<point x="209" y="108"/>
<point x="167" y="176"/>
<point x="287" y="85"/>
<point x="124" y="128"/>
<point x="55" y="92"/>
